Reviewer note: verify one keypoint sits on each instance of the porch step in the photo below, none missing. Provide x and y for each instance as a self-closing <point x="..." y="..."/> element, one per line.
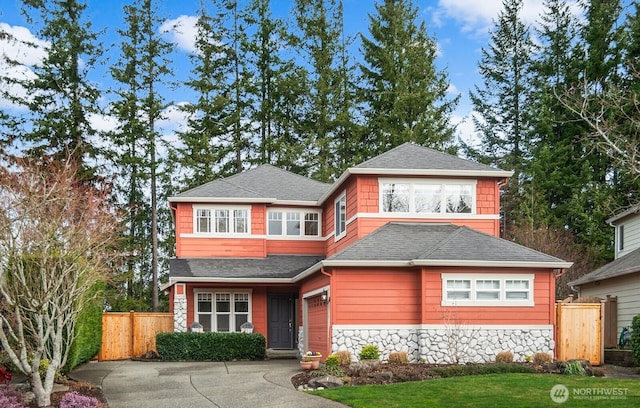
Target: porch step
<point x="273" y="354"/>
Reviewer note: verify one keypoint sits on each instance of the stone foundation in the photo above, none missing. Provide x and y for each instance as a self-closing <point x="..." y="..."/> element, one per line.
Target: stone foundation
<point x="180" y="314"/>
<point x="447" y="345"/>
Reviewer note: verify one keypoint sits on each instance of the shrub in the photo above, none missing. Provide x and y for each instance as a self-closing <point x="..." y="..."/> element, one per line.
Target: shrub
<point x="11" y="398"/>
<point x="344" y="356"/>
<point x="399" y="357"/>
<point x="504" y="357"/>
<point x="211" y="346"/>
<point x="88" y="332"/>
<point x="332" y="361"/>
<point x="5" y="375"/>
<point x="370" y="352"/>
<point x="635" y="339"/>
<point x="574" y="368"/>
<point x="542" y="358"/>
<point x="75" y="400"/>
<point x="477" y="369"/>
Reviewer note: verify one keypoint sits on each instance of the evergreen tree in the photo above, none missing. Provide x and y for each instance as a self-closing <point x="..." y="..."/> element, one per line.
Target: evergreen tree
<point x="59" y="98"/>
<point x="320" y="25"/>
<point x="142" y="69"/>
<point x="503" y="121"/>
<point x="405" y="96"/>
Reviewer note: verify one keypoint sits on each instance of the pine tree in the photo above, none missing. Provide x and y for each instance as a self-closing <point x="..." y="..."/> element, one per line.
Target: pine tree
<point x="405" y="95"/>
<point x="59" y="98"/>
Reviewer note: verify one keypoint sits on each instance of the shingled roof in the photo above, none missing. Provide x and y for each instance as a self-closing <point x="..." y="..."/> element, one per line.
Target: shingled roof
<point x="271" y="267"/>
<point x="263" y="183"/>
<point x="440" y="244"/>
<point x="410" y="156"/>
<point x="627" y="264"/>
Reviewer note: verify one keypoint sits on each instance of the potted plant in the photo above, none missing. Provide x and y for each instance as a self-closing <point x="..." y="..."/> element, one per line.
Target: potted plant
<point x="314" y="358"/>
<point x="306" y="363"/>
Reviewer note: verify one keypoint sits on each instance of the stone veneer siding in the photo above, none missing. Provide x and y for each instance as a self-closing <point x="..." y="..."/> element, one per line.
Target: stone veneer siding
<point x="446" y="345"/>
<point x="180" y="314"/>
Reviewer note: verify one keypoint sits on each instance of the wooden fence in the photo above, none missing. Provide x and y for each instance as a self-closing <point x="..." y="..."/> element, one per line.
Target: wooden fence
<point x="580" y="331"/>
<point x="126" y="335"/>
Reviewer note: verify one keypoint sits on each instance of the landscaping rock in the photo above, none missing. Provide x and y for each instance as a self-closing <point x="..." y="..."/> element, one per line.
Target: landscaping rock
<point x="325" y="382"/>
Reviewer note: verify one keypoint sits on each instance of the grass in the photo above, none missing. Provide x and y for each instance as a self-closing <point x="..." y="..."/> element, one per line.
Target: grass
<point x="491" y="390"/>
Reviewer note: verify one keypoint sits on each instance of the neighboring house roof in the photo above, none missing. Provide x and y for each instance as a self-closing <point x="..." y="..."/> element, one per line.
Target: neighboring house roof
<point x="629" y="263"/>
<point x="630" y="211"/>
<point x="273" y="267"/>
<point x="265" y="183"/>
<point x="399" y="243"/>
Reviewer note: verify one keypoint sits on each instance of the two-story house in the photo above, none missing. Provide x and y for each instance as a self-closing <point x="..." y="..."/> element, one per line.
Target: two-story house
<point x="620" y="277"/>
<point x="402" y="251"/>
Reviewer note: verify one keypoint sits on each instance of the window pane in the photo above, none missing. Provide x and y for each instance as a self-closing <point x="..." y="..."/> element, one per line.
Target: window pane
<point x="482" y="295"/>
<point x="487" y="284"/>
<point x="459" y="198"/>
<point x="517" y="284"/>
<point x="311" y="221"/>
<point x="458" y="284"/>
<point x="341" y="215"/>
<point x="203" y="220"/>
<point x="223" y="303"/>
<point x="428" y="198"/>
<point x="517" y="295"/>
<point x="223" y="322"/>
<point x="241" y="303"/>
<point x="395" y="197"/>
<point x="240" y="220"/>
<point x="453" y="295"/>
<point x="204" y="306"/>
<point x="205" y="321"/>
<point x="240" y="320"/>
<point x="275" y="223"/>
<point x="293" y="223"/>
<point x="222" y="221"/>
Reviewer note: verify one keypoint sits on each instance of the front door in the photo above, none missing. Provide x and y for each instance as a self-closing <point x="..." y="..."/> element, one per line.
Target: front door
<point x="280" y="314"/>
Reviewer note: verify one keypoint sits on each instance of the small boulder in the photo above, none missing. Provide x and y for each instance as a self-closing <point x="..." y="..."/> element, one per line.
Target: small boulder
<point x="328" y="381"/>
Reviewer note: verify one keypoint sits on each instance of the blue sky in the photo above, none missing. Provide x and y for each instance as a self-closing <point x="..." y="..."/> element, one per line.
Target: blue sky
<point x="460" y="28"/>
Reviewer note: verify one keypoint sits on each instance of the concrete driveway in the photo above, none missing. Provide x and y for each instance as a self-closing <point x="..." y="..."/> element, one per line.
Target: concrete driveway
<point x="198" y="384"/>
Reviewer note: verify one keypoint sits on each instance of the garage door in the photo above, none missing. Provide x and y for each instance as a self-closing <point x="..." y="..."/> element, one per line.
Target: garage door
<point x="318" y="327"/>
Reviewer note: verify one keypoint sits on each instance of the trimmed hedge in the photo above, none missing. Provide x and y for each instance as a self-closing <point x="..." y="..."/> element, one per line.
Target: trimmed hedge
<point x="635" y="339"/>
<point x="211" y="346"/>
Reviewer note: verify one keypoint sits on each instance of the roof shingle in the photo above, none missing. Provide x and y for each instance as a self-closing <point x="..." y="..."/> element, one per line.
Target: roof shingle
<point x="630" y="263"/>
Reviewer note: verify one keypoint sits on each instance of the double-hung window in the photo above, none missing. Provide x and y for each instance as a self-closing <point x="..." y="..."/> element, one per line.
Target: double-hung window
<point x="487" y="289"/>
<point x="427" y="196"/>
<point x="223" y="311"/>
<point x="221" y="220"/>
<point x="340" y="216"/>
<point x="293" y="223"/>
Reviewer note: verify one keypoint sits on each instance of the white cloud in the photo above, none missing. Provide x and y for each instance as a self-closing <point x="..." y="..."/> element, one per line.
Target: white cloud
<point x="20" y="50"/>
<point x="182" y="31"/>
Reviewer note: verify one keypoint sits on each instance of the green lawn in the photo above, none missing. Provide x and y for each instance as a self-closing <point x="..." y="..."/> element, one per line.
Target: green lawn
<point x="492" y="390"/>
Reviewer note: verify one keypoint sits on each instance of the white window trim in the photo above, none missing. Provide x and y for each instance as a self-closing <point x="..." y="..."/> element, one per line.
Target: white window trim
<point x="213" y="292"/>
<point x="441" y="182"/>
<point x="342" y="234"/>
<point x="213" y="208"/>
<point x="302" y="212"/>
<point x="502" y="302"/>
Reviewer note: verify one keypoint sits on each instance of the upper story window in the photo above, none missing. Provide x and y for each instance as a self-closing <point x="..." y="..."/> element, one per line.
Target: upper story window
<point x="340" y="216"/>
<point x="621" y="237"/>
<point x="293" y="223"/>
<point x="221" y="220"/>
<point x="487" y="290"/>
<point x="427" y="196"/>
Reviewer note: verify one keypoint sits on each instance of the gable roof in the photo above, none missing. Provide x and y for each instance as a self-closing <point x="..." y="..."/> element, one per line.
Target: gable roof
<point x="265" y="183"/>
<point x="440" y="245"/>
<point x="409" y="156"/>
<point x="627" y="264"/>
<point x="629" y="211"/>
<point x="410" y="159"/>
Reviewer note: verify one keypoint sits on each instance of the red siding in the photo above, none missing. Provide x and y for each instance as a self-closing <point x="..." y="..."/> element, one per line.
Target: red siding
<point x="315" y="282"/>
<point x="376" y="296"/>
<point x="295" y="247"/>
<point x="222" y="247"/>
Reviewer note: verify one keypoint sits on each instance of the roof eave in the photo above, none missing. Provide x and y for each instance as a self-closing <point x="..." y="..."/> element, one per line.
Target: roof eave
<point x="633" y="210"/>
<point x="181" y="199"/>
<point x="586" y="279"/>
<point x="193" y="279"/>
<point x="365" y="263"/>
<point x="492" y="264"/>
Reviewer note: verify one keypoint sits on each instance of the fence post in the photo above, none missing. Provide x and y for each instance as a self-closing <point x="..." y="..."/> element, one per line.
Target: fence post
<point x="132" y="319"/>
